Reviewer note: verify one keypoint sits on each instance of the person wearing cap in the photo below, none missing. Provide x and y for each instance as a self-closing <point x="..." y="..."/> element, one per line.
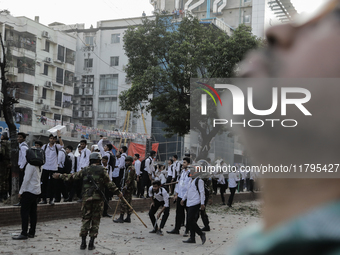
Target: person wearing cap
<point x="93" y="201"/>
<point x="300" y="215"/>
<point x="128" y="186"/>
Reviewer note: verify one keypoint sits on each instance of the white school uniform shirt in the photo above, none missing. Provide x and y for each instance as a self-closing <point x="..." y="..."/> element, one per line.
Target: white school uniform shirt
<point x="31" y="182"/>
<point x="122" y="160"/>
<point x="170" y="170"/>
<point x="51" y="157"/>
<point x="233" y="178"/>
<point x="71" y="155"/>
<point x="84" y="159"/>
<point x="61" y="158"/>
<point x="23" y="147"/>
<point x="182" y="186"/>
<point x="149" y="167"/>
<point x="164" y="197"/>
<point x="192" y="195"/>
<point x="102" y="152"/>
<point x="109" y="170"/>
<point x="137" y="167"/>
<point x="176" y="169"/>
<point x="115" y="173"/>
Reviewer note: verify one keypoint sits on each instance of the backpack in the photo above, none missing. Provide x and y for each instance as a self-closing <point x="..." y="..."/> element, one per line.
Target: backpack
<point x="112" y="161"/>
<point x="56" y="149"/>
<point x="35" y="157"/>
<point x="206" y="189"/>
<point x="142" y="165"/>
<point x="153" y="193"/>
<point x="67" y="163"/>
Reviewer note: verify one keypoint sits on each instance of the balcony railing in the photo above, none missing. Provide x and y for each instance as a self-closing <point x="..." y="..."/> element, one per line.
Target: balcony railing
<point x="26" y="70"/>
<point x="25" y="44"/>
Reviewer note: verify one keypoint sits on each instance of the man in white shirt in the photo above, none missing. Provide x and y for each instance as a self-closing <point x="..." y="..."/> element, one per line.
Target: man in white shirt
<point x="180" y="191"/>
<point x="232" y="183"/>
<point x="116" y="170"/>
<point x="29" y="194"/>
<point x="105" y="150"/>
<point x="195" y="198"/>
<point x="84" y="157"/>
<point x="60" y="184"/>
<point x="160" y="198"/>
<point x="123" y="155"/>
<point x="51" y="166"/>
<point x="22" y="158"/>
<point x="138" y="173"/>
<point x="147" y="173"/>
<point x="169" y="178"/>
<point x="176" y="168"/>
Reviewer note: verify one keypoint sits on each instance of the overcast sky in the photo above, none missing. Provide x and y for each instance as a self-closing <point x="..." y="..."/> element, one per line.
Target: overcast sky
<point x="89" y="12"/>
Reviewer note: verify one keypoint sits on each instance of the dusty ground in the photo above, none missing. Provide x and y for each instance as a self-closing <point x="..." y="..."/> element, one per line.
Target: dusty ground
<point x="61" y="236"/>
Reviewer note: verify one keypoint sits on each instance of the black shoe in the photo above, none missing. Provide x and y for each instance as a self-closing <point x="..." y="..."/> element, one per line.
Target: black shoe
<point x="159" y="232"/>
<point x="51" y="201"/>
<point x="107" y="215"/>
<point x="18" y="204"/>
<point x="206" y="229"/>
<point x="56" y="201"/>
<point x="30" y="236"/>
<point x="141" y="196"/>
<point x="128" y="218"/>
<point x="223" y="204"/>
<point x="174" y="231"/>
<point x="83" y="243"/>
<point x="43" y="202"/>
<point x="91" y="244"/>
<point x="203" y="238"/>
<point x="120" y="219"/>
<point x="186" y="234"/>
<point x="189" y="241"/>
<point x="229" y="205"/>
<point x="19" y="237"/>
<point x="154" y="231"/>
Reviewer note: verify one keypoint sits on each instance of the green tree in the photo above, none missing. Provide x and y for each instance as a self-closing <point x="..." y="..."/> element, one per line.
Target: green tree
<point x="164" y="56"/>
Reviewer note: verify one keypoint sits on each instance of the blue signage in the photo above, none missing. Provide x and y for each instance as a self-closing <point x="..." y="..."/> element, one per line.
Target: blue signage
<point x="4" y="127"/>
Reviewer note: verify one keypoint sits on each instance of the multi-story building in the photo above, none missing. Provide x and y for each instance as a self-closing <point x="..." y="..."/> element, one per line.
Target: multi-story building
<point x="41" y="67"/>
<point x="100" y="77"/>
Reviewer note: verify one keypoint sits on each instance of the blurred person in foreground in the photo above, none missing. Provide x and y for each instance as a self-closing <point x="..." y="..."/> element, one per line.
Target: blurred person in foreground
<point x="300" y="215"/>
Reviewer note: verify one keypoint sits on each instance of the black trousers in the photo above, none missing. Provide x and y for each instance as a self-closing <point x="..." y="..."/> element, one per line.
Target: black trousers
<point x="76" y="187"/>
<point x="146" y="182"/>
<point x="139" y="186"/>
<point x="231" y="197"/>
<point x="153" y="211"/>
<point x="180" y="213"/>
<point x="251" y="185"/>
<point x="193" y="213"/>
<point x="60" y="186"/>
<point x="108" y="196"/>
<point x="169" y="188"/>
<point x="241" y="185"/>
<point x="214" y="184"/>
<point x="204" y="215"/>
<point x="48" y="184"/>
<point x="223" y="187"/>
<point x="28" y="210"/>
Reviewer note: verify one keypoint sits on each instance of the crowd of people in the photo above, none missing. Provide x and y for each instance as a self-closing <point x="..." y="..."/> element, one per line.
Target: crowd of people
<point x="65" y="173"/>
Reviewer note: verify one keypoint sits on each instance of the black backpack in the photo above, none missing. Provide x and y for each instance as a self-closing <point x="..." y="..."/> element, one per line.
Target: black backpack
<point x="67" y="163"/>
<point x="142" y="165"/>
<point x="206" y="190"/>
<point x="153" y="193"/>
<point x="35" y="157"/>
<point x="112" y="161"/>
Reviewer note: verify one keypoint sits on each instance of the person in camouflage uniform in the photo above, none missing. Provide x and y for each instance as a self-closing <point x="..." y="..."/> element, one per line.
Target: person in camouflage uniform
<point x="5" y="170"/>
<point x="128" y="187"/>
<point x="92" y="205"/>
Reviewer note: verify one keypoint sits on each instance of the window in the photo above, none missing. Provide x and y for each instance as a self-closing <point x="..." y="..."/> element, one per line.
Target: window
<point x="108" y="84"/>
<point x="26" y="91"/>
<point x="44" y="92"/>
<point x="45" y="69"/>
<point x="107" y="107"/>
<point x="89" y="40"/>
<point x="115" y="38"/>
<point x="60" y="75"/>
<point x="47" y="46"/>
<point x="88" y="63"/>
<point x="69" y="77"/>
<point x="57" y="116"/>
<point x="106" y="124"/>
<point x="70" y="56"/>
<point x="61" y="53"/>
<point x="246" y="19"/>
<point x="114" y="61"/>
<point x="58" y="98"/>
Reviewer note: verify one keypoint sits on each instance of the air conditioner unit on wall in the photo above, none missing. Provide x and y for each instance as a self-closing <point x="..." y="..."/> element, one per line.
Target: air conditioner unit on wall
<point x="80" y="114"/>
<point x="48" y="60"/>
<point x="39" y="101"/>
<point x="88" y="114"/>
<point x="46" y="107"/>
<point x="45" y="34"/>
<point x="88" y="92"/>
<point x="48" y="84"/>
<point x="88" y="108"/>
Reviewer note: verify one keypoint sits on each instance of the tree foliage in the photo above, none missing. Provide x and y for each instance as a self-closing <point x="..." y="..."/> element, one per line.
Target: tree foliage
<point x="164" y="56"/>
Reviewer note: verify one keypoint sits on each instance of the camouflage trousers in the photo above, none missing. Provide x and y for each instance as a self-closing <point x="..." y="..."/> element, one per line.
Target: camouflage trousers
<point x="124" y="208"/>
<point x="4" y="178"/>
<point x="92" y="211"/>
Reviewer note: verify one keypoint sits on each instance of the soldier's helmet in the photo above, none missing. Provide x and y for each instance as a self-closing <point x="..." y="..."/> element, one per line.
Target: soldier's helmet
<point x="129" y="158"/>
<point x="95" y="155"/>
